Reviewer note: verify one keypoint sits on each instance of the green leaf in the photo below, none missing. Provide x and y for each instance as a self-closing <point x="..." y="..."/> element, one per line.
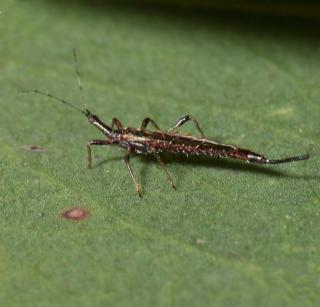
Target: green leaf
<point x="232" y="234"/>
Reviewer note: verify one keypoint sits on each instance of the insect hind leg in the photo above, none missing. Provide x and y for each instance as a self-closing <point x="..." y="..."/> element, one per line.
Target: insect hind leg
<point x="184" y="119"/>
<point x="165" y="170"/>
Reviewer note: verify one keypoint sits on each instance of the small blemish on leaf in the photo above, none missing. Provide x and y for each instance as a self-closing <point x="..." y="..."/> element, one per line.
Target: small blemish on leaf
<point x="283" y="112"/>
<point x="75" y="214"/>
<point x="200" y="241"/>
<point x="34" y="148"/>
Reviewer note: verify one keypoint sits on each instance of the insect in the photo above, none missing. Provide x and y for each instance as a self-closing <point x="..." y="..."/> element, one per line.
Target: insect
<point x="156" y="142"/>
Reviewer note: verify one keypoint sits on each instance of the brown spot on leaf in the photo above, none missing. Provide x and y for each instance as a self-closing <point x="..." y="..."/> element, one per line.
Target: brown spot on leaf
<point x="75" y="214"/>
<point x="34" y="148"/>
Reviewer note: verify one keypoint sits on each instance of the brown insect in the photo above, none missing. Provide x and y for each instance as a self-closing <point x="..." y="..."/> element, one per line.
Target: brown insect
<point x="146" y="142"/>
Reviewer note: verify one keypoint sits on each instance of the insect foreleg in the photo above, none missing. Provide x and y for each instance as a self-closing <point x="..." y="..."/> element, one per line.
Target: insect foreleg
<point x="116" y="122"/>
<point x="165" y="170"/>
<point x="182" y="120"/>
<point x="92" y="143"/>
<point x="146" y="121"/>
<point x="137" y="186"/>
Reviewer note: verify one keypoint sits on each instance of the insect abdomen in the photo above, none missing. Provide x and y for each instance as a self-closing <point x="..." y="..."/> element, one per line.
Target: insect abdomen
<point x="189" y="150"/>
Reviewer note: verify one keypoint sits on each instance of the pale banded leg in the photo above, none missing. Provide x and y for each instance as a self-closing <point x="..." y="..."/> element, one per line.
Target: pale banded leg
<point x="182" y="120"/>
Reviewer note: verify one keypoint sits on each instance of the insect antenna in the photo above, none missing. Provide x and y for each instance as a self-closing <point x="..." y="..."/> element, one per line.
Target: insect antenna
<point x="287" y="160"/>
<point x="55" y="98"/>
<point x="63" y="100"/>
<point x="78" y="75"/>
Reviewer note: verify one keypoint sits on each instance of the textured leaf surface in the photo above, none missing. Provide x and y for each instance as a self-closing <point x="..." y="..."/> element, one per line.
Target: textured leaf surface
<point x="232" y="234"/>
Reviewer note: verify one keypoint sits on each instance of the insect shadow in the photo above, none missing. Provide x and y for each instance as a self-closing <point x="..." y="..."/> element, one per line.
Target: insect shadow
<point x="205" y="162"/>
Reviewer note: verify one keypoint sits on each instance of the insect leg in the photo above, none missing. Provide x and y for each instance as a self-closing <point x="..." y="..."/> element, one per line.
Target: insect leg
<point x="148" y="120"/>
<point x="165" y="170"/>
<point x="138" y="187"/>
<point x="182" y="120"/>
<point x="116" y="122"/>
<point x="92" y="143"/>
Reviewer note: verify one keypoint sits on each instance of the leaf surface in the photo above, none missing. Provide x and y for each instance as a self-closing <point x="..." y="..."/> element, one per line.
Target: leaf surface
<point x="232" y="234"/>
